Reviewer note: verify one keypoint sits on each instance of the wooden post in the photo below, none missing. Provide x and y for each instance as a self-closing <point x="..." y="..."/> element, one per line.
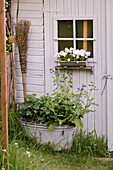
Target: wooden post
<point x="4" y="101"/>
<point x="85" y="35"/>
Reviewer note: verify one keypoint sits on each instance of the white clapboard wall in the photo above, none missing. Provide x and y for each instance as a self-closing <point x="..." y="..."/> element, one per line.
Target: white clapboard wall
<point x="75" y="9"/>
<point x="42" y="48"/>
<point x="33" y="11"/>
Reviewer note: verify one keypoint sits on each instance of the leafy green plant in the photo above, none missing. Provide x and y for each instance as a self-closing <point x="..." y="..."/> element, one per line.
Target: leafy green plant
<point x="62" y="107"/>
<point x="8" y="45"/>
<point x="90" y="144"/>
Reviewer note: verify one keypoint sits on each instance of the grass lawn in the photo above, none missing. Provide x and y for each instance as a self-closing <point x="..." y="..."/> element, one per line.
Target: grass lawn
<point x="24" y="154"/>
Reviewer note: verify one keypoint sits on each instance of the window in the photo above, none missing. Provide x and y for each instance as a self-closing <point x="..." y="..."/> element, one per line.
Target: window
<point x="78" y="34"/>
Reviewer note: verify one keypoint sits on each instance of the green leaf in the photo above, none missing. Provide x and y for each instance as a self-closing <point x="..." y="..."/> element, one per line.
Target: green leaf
<point x="52" y="126"/>
<point x="78" y="123"/>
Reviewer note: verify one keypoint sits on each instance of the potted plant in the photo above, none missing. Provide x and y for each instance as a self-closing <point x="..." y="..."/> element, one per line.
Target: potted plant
<point x="54" y="117"/>
<point x="73" y="57"/>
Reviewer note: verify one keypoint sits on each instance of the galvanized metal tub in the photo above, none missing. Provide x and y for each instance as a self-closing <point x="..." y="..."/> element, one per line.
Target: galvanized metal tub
<point x="60" y="137"/>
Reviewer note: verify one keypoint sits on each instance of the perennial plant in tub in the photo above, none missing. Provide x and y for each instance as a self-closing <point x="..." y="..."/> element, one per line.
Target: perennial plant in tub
<point x="62" y="107"/>
<point x="73" y="55"/>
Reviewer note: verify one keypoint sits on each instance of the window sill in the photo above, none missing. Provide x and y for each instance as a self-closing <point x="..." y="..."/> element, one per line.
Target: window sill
<point x="73" y="68"/>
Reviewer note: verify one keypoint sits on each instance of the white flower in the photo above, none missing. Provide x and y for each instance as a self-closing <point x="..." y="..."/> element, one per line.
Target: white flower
<point x="3" y="168"/>
<point x="76" y="52"/>
<point x="68" y="59"/>
<point x="67" y="50"/>
<point x="77" y="57"/>
<point x="88" y="53"/>
<point x="16" y="143"/>
<point x="4" y="150"/>
<point x="62" y="53"/>
<point x="28" y="153"/>
<point x="82" y="52"/>
<point x="86" y="56"/>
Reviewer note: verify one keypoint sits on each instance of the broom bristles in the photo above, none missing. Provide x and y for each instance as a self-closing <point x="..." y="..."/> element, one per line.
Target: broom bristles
<point x="22" y="30"/>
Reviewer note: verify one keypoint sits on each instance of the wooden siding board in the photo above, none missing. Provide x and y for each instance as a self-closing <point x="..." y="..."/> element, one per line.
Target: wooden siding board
<point x="33" y="59"/>
<point x="34" y="21"/>
<point x="74" y="7"/>
<point x="104" y="66"/>
<point x="31" y="88"/>
<point x="32" y="66"/>
<point x="28" y="6"/>
<point x="109" y="40"/>
<point x="31" y="81"/>
<point x="98" y="116"/>
<point x="89" y="7"/>
<point x="67" y="8"/>
<point x="82" y="8"/>
<point x="47" y="47"/>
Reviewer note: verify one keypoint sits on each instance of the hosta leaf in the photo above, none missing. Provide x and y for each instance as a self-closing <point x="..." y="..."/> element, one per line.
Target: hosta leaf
<point x="52" y="126"/>
<point x="78" y="123"/>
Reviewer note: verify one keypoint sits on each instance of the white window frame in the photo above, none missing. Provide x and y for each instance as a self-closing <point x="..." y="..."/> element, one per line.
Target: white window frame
<point x="90" y="60"/>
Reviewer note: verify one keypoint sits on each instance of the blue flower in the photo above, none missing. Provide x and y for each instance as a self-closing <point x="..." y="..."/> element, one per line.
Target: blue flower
<point x="71" y="79"/>
<point x="47" y="94"/>
<point x="78" y="88"/>
<point x="85" y="96"/>
<point x="82" y="88"/>
<point x="95" y="87"/>
<point x="59" y="94"/>
<point x="73" y="96"/>
<point x="47" y="98"/>
<point x="83" y="85"/>
<point x="77" y="97"/>
<point x="63" y="75"/>
<point x="56" y="74"/>
<point x="58" y="84"/>
<point x="84" y="91"/>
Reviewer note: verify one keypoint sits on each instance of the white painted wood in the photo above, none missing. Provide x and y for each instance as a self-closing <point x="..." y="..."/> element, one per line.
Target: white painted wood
<point x="34" y="21"/>
<point x="29" y="1"/>
<point x="82" y="9"/>
<point x="67" y="7"/>
<point x="104" y="67"/>
<point x="31" y="15"/>
<point x="31" y="81"/>
<point x="32" y="66"/>
<point x="33" y="59"/>
<point x="109" y="39"/>
<point x="74" y="7"/>
<point x="28" y="6"/>
<point x="31" y="88"/>
<point x="89" y="7"/>
<point x="47" y="47"/>
<point x="98" y="78"/>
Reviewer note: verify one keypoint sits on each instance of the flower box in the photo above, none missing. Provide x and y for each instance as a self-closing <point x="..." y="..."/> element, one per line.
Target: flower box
<point x="73" y="63"/>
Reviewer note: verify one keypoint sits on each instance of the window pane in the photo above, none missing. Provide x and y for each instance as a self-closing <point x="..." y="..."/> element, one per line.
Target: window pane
<point x="65" y="29"/>
<point x="62" y="44"/>
<point x="79" y="45"/>
<point x="80" y="27"/>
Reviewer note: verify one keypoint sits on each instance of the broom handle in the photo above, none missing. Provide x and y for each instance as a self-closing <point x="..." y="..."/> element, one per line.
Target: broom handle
<point x="24" y="85"/>
<point x="17" y="12"/>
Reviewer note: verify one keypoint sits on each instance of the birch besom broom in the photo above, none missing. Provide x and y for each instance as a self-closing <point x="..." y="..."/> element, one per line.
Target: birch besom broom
<point x="22" y="30"/>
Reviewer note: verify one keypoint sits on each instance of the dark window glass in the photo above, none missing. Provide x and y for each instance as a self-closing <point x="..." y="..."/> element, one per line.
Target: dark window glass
<point x="79" y="28"/>
<point x="62" y="44"/>
<point x="65" y="29"/>
<point x="79" y="45"/>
